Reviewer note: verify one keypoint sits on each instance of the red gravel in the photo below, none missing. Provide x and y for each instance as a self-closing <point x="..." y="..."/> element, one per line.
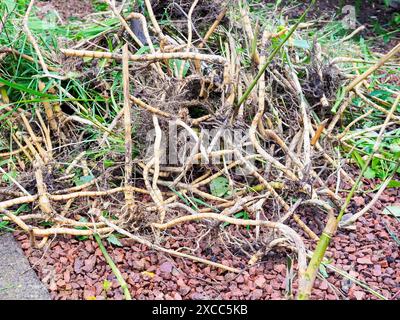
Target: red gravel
<point x="74" y="269"/>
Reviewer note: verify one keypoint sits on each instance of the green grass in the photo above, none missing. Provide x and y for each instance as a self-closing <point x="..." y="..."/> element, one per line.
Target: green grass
<point x="20" y="77"/>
